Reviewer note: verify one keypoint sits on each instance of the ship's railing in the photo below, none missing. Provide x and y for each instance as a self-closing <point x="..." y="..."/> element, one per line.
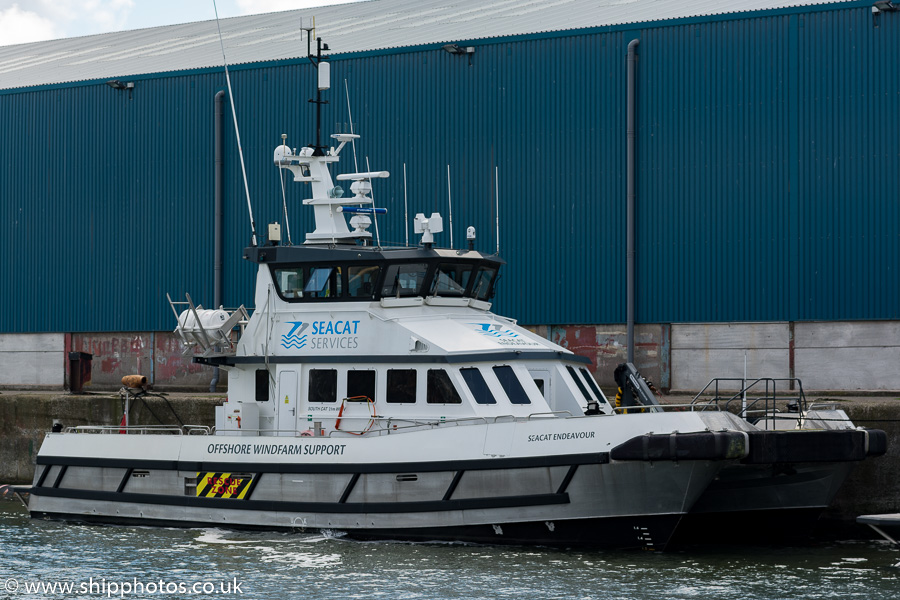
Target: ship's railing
<point x="759" y="401"/>
<point x="691" y="407"/>
<point x="546" y="415"/>
<point x="142" y="429"/>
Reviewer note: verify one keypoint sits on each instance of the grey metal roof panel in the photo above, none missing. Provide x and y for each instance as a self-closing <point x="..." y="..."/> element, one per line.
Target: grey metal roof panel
<point x="359" y="26"/>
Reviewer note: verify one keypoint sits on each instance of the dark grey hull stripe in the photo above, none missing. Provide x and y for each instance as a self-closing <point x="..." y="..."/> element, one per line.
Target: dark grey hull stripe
<point x="362" y="468"/>
<point x="309" y="507"/>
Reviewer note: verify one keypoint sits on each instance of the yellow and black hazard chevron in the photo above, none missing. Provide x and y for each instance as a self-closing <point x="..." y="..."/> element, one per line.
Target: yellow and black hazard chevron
<point x="223" y="485"/>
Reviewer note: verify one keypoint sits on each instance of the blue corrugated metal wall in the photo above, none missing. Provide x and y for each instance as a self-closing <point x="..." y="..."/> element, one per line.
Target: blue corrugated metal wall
<point x="768" y="152"/>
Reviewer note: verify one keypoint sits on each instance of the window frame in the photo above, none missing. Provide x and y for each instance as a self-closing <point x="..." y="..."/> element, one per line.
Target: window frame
<point x="516" y="382"/>
<point x="388" y="398"/>
<point x="481" y="381"/>
<point x="309" y="386"/>
<point x="449" y="380"/>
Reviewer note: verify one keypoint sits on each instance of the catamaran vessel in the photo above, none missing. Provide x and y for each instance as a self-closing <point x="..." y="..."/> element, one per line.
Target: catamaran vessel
<point x="372" y="391"/>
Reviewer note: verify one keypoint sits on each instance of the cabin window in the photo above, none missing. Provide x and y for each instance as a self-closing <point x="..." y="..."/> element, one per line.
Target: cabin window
<point x="592" y="383"/>
<point x="451" y="280"/>
<point x="578" y="382"/>
<point x="361" y="281"/>
<point x="404" y="280"/>
<point x="323" y="282"/>
<point x="511" y="385"/>
<point x="478" y="386"/>
<point x="262" y="385"/>
<point x="440" y="389"/>
<point x="483" y="287"/>
<point x="361" y="384"/>
<point x="290" y="282"/>
<point x="322" y="385"/>
<point x="401" y="386"/>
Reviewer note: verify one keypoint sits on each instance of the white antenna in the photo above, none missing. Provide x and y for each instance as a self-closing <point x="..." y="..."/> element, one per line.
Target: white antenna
<point x="353" y="141"/>
<point x="237" y="133"/>
<point x="374" y="214"/>
<point x="405" y="208"/>
<point x="450" y="203"/>
<point x="497" y="195"/>
<point x="287" y="223"/>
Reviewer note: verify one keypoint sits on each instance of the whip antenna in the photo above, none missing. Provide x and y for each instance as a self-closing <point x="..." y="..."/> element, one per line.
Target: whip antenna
<point x="237" y="132"/>
<point x="497" y="195"/>
<point x="374" y="211"/>
<point x="405" y="207"/>
<point x="450" y="205"/>
<point x="287" y="223"/>
<point x="350" y="115"/>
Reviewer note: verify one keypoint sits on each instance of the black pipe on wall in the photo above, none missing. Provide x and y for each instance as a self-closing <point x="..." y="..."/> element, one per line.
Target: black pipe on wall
<point x="219" y="212"/>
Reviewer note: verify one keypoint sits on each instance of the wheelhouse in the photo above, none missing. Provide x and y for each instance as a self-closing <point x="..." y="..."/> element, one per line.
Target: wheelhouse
<point x="354" y="274"/>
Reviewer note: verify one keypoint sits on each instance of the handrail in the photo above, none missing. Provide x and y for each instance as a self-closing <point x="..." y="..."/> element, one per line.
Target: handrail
<point x="754" y="405"/>
<point x="692" y="407"/>
<point x="125" y="429"/>
<point x="549" y="414"/>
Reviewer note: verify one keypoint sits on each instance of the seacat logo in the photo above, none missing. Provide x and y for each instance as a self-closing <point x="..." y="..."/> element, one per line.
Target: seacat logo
<point x="295" y="338"/>
<point x="322" y="335"/>
<point x="495" y="331"/>
<point x="503" y="335"/>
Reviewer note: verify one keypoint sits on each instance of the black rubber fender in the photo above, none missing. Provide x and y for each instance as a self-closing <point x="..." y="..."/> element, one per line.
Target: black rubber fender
<point x="801" y="445"/>
<point x="704" y="445"/>
<point x="877" y="442"/>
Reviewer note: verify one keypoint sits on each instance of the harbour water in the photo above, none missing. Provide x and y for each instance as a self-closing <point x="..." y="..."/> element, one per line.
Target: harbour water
<point x="90" y="561"/>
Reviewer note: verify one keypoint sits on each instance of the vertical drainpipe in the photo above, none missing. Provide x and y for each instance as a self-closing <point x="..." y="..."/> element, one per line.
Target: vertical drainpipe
<point x="629" y="234"/>
<point x="220" y="213"/>
<point x="629" y="224"/>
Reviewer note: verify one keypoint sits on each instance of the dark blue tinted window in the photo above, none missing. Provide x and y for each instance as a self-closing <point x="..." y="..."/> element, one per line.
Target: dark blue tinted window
<point x="478" y="386"/>
<point x="511" y="385"/>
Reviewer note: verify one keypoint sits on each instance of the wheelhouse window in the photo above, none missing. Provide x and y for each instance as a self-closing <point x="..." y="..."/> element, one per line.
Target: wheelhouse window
<point x="290" y="282"/>
<point x="440" y="389"/>
<point x="511" y="385"/>
<point x="323" y="282"/>
<point x="361" y="281"/>
<point x="401" y="386"/>
<point x="478" y="386"/>
<point x="578" y="382"/>
<point x="404" y="280"/>
<point x="483" y="286"/>
<point x="592" y="383"/>
<point x="451" y="280"/>
<point x="361" y="384"/>
<point x="322" y="385"/>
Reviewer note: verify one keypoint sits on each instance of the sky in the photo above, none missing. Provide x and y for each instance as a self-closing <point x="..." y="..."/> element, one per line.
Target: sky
<point x="23" y="21"/>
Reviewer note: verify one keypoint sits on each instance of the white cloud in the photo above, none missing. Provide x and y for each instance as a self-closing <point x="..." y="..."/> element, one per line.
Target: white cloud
<point x="51" y="19"/>
<point x="19" y="26"/>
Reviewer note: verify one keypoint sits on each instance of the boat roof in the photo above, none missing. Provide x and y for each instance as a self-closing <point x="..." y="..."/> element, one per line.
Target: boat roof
<point x="349" y="253"/>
